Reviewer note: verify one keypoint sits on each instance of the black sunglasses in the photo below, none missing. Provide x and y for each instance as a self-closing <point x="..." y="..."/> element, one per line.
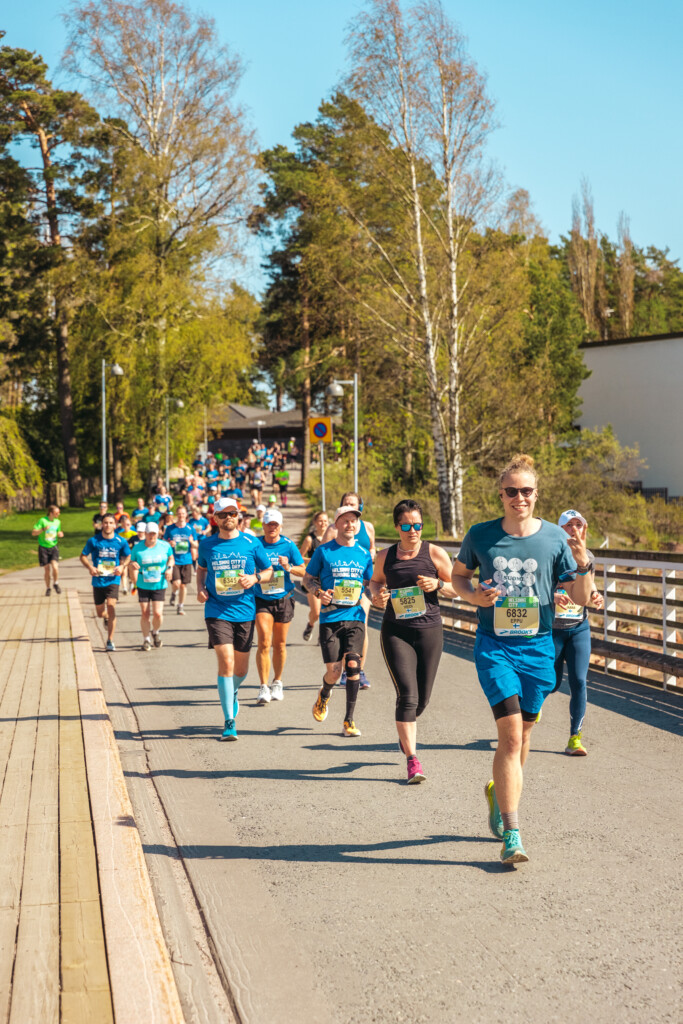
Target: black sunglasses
<point x="407" y="527"/>
<point x="222" y="515"/>
<point x="512" y="492"/>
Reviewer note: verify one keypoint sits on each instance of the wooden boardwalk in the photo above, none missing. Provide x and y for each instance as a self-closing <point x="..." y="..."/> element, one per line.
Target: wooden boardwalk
<point x="79" y="935"/>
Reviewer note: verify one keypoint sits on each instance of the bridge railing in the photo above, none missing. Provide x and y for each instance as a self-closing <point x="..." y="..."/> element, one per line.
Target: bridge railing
<point x="639" y="633"/>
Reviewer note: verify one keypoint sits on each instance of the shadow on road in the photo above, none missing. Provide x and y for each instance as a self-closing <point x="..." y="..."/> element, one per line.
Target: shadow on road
<point x="278" y="774"/>
<point x="336" y="853"/>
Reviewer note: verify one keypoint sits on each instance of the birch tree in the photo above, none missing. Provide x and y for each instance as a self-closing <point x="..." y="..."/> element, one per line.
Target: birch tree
<point x="412" y="74"/>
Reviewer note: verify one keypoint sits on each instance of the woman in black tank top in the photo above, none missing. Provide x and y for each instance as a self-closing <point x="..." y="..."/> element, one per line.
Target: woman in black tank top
<point x="311" y="541"/>
<point x="406" y="582"/>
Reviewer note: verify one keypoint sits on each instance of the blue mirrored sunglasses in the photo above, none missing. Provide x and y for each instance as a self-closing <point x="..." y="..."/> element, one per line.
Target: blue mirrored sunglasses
<point x="407" y="527"/>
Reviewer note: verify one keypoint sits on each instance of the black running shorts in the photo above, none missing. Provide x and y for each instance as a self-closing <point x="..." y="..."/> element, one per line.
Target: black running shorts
<point x="182" y="573"/>
<point x="151" y="595"/>
<point x="281" y="608"/>
<point x="47" y="555"/>
<point x="100" y="594"/>
<point x="238" y="634"/>
<point x="340" y="638"/>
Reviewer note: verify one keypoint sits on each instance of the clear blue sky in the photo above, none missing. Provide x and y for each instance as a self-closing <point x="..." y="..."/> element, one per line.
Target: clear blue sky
<point x="593" y="88"/>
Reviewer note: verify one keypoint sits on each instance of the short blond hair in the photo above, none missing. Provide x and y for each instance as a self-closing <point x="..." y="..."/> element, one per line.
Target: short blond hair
<point x="519" y="463"/>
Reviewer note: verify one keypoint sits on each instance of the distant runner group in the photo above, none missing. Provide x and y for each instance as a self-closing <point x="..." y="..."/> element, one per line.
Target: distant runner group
<point x="535" y="580"/>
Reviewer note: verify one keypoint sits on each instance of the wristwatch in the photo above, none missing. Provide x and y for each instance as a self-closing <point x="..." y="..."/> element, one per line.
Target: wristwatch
<point x="441" y="584"/>
<point x="257" y="574"/>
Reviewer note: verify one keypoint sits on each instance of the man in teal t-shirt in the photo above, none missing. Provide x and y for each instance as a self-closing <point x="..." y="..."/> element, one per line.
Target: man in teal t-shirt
<point x="48" y="530"/>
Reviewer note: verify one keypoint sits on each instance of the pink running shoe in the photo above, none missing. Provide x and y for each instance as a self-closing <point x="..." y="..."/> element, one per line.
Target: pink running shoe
<point x="415" y="771"/>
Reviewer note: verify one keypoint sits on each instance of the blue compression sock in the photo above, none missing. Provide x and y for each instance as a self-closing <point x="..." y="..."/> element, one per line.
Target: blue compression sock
<point x="238" y="681"/>
<point x="226" y="692"/>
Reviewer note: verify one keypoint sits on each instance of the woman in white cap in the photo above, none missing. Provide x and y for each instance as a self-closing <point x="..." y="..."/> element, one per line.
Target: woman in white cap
<point x="572" y="639"/>
<point x="275" y="604"/>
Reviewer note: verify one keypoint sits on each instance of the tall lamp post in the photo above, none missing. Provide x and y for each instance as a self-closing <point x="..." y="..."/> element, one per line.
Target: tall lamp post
<point x="259" y="424"/>
<point x="179" y="404"/>
<point x="117" y="371"/>
<point x="335" y="390"/>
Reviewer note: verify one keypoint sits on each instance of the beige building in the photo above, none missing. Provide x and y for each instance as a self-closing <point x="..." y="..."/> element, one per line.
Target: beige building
<point x="636" y="385"/>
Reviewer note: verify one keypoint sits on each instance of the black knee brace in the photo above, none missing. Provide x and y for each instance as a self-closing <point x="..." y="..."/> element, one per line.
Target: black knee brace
<point x="352" y="666"/>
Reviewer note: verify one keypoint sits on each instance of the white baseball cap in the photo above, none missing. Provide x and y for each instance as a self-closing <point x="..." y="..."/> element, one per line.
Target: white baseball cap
<point x="273" y="515"/>
<point x="260" y="508"/>
<point x="343" y="509"/>
<point x="152" y="527"/>
<point x="223" y="504"/>
<point x="141" y="526"/>
<point x="570" y="514"/>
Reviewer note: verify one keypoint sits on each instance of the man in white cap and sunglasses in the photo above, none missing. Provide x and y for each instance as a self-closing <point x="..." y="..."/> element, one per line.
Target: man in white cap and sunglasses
<point x="229" y="567"/>
<point x="152" y="566"/>
<point x="337" y="574"/>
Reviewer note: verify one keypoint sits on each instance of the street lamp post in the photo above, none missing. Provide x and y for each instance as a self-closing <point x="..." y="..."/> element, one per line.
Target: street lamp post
<point x="117" y="372"/>
<point x="335" y="390"/>
<point x="178" y="402"/>
<point x="259" y="424"/>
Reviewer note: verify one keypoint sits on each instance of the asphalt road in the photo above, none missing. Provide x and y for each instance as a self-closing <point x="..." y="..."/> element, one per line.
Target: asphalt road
<point x="299" y="879"/>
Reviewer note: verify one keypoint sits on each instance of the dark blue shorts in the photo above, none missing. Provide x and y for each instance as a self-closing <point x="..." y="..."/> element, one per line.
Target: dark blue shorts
<point x="508" y="666"/>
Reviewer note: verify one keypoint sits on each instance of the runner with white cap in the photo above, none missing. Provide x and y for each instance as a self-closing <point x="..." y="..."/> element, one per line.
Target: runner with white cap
<point x="275" y="604"/>
<point x="152" y="567"/>
<point x="256" y="523"/>
<point x="337" y="574"/>
<point x="572" y="639"/>
<point x="229" y="567"/>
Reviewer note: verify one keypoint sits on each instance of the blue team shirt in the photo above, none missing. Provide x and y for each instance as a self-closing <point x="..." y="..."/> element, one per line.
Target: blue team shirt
<point x="138" y="514"/>
<point x="521" y="566"/>
<point x="343" y="570"/>
<point x="198" y="525"/>
<point x="225" y="561"/>
<point x="153" y="562"/>
<point x="106" y="554"/>
<point x="181" y="535"/>
<point x="281" y="583"/>
<point x="363" y="537"/>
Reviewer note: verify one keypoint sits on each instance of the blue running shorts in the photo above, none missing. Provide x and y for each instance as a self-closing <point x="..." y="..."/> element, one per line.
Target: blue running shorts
<point x="516" y="665"/>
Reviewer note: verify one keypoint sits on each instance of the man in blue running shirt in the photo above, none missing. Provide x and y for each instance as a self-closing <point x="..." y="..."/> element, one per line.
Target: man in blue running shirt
<point x="185" y="543"/>
<point x="521" y="559"/>
<point x="105" y="556"/>
<point x="229" y="567"/>
<point x="337" y="574"/>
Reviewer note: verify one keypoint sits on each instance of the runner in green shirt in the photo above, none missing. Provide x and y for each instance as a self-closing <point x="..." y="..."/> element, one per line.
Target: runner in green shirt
<point x="48" y="530"/>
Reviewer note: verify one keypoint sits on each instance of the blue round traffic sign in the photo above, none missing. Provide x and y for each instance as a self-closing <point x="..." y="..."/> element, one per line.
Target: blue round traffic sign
<point x="320" y="430"/>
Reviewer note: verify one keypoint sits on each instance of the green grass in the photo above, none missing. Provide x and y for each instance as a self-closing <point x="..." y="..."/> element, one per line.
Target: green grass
<point x="19" y="550"/>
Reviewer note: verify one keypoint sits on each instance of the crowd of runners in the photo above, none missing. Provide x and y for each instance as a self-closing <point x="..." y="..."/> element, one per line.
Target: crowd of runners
<point x="535" y="581"/>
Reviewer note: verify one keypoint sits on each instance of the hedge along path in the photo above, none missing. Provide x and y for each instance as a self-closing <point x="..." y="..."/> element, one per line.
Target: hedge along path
<point x="79" y="938"/>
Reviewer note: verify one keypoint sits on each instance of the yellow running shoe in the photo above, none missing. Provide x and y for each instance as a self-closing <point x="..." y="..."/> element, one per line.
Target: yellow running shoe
<point x="351" y="729"/>
<point x="575" y="747"/>
<point x="320" y="707"/>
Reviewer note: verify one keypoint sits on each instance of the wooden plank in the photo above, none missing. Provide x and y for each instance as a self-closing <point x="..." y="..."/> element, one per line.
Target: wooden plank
<point x="35" y="988"/>
<point x="142" y="982"/>
<point x="86" y="993"/>
<point x="14" y="800"/>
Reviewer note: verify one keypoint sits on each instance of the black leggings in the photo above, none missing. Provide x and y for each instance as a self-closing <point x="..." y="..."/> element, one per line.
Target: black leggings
<point x="412" y="657"/>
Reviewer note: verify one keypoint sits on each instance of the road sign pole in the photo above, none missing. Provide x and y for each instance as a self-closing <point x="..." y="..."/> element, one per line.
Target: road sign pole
<point x="321" y="446"/>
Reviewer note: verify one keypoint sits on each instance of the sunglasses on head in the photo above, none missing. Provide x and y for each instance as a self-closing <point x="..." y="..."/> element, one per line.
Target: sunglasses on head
<point x="512" y="492"/>
<point x="407" y="527"/>
<point x="222" y="515"/>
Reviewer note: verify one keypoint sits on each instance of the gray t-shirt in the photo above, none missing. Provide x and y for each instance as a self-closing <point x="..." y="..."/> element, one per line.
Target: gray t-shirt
<point x="526" y="571"/>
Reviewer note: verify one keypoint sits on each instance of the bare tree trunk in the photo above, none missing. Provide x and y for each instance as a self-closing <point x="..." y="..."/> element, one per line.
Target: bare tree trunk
<point x="626" y="276"/>
<point x="119" y="490"/>
<point x="66" y="411"/>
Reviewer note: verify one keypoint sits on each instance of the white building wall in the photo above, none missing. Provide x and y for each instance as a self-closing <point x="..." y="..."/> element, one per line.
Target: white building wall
<point x="637" y="386"/>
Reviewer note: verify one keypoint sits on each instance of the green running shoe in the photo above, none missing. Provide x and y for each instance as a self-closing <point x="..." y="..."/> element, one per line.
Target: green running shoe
<point x="495" y="817"/>
<point x="575" y="747"/>
<point x="513" y="852"/>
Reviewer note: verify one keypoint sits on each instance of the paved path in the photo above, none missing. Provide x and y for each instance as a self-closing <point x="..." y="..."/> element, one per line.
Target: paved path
<point x="299" y="879"/>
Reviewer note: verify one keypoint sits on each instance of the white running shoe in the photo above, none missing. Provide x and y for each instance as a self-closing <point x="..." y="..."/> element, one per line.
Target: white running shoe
<point x="276" y="690"/>
<point x="264" y="695"/>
